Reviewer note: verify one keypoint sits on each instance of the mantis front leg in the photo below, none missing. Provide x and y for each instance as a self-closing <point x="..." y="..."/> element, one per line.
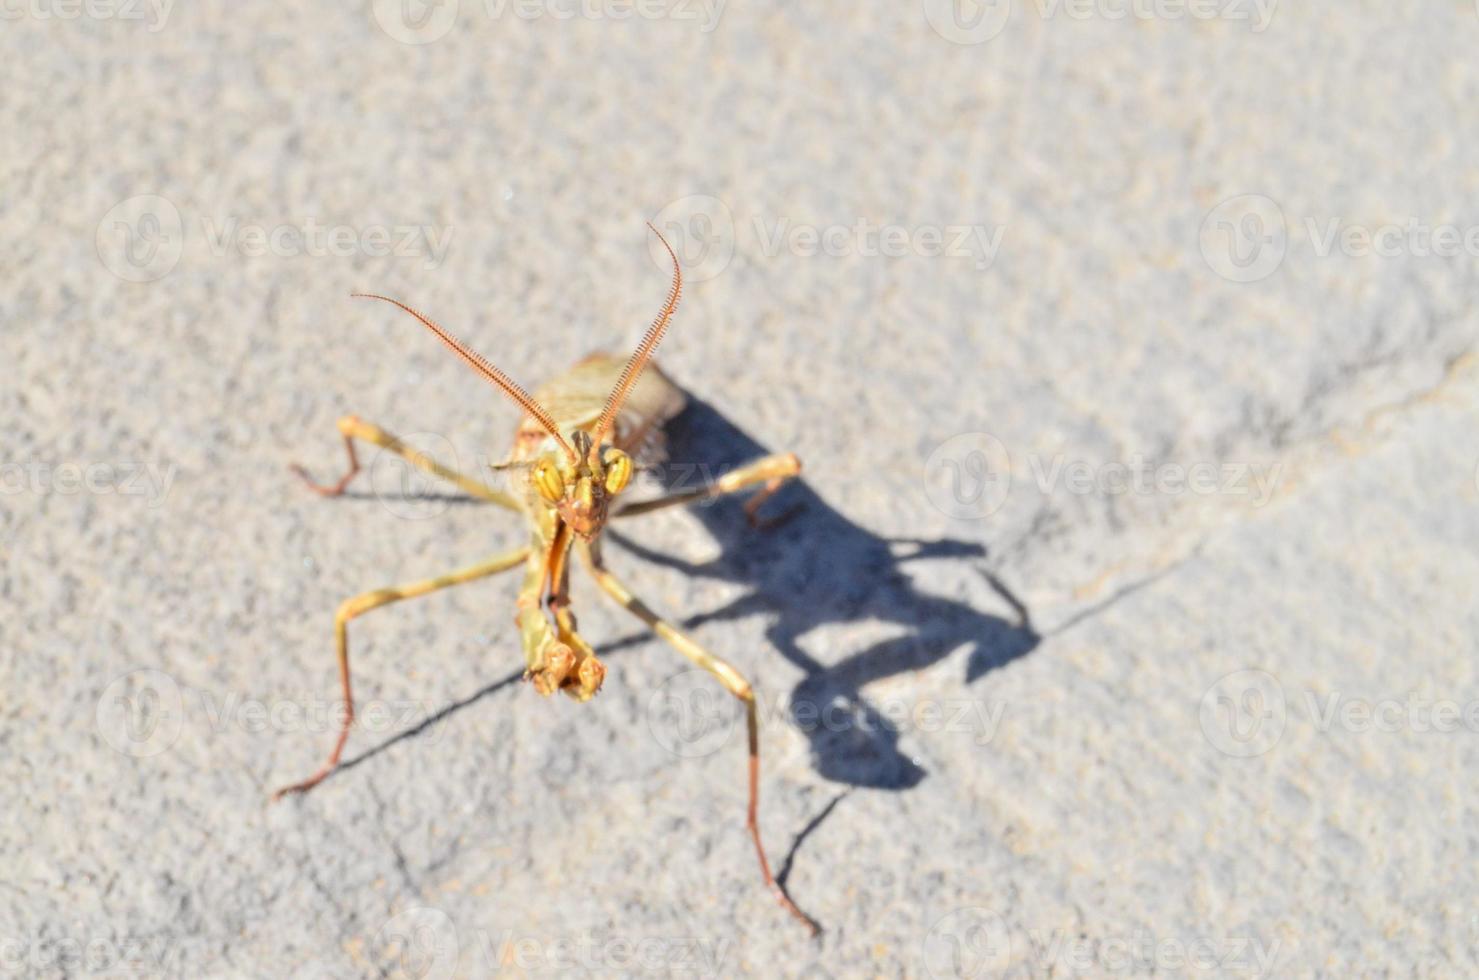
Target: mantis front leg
<point x="555" y="659"/>
<point x="727" y="675"/>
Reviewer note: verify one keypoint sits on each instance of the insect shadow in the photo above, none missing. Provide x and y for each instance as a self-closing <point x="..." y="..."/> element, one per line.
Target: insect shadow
<point x="814" y="568"/>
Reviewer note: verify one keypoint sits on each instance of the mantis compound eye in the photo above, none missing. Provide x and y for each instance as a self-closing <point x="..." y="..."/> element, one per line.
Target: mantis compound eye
<point x="618" y="470"/>
<point x="549" y="480"/>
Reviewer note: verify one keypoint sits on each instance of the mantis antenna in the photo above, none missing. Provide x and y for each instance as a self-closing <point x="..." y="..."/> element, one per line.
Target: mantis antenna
<point x="483" y="366"/>
<point x="644" y="350"/>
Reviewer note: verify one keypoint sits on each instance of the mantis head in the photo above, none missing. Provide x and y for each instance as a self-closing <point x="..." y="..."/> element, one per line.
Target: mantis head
<point x="578" y="480"/>
<point x="581" y="487"/>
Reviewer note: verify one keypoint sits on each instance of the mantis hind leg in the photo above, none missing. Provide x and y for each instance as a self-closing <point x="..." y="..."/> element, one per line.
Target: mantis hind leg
<point x="733" y="682"/>
<point x="351" y="427"/>
<point x="363" y="603"/>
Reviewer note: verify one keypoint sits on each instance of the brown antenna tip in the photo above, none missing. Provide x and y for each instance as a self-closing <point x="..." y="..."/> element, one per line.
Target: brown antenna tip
<point x="643" y="353"/>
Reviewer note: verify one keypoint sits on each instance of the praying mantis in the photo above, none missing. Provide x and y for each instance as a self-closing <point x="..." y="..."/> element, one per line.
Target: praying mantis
<point x="580" y="439"/>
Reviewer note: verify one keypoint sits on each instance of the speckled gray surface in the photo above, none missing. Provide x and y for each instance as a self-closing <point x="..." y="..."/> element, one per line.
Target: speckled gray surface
<point x="1125" y="621"/>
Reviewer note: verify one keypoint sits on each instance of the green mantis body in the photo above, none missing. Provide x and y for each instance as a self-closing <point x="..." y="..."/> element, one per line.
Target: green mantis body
<point x="582" y="436"/>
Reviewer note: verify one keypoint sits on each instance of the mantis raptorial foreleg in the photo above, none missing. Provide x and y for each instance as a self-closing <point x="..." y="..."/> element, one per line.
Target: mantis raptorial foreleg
<point x="733" y="682"/>
<point x="362" y="604"/>
<point x="352" y="427"/>
<point x="773" y="471"/>
<point x="555" y="659"/>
